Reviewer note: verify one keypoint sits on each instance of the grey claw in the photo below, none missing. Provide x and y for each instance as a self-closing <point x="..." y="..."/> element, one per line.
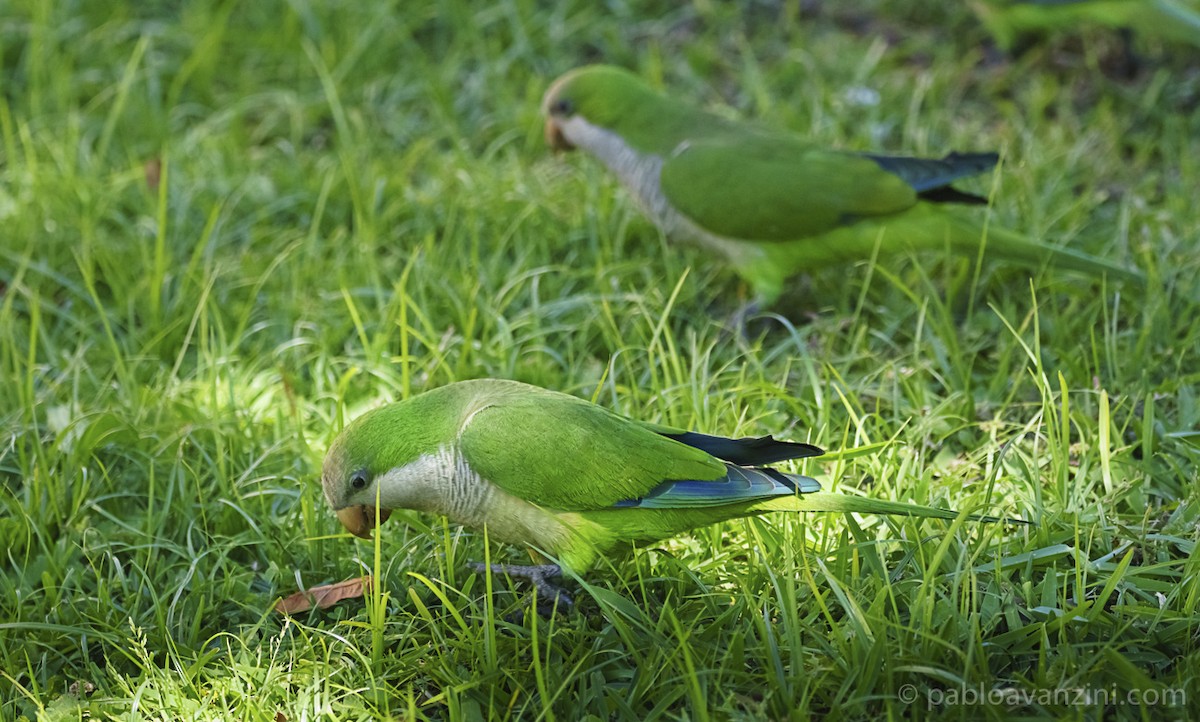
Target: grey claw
<point x="537" y="574"/>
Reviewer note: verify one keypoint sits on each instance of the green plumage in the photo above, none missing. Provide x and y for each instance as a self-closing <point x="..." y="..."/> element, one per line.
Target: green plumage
<point x="1010" y="21"/>
<point x="560" y="452"/>
<point x="772" y="203"/>
<point x="561" y="475"/>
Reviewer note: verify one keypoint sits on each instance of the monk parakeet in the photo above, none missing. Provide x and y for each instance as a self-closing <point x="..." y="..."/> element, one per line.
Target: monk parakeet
<point x="1009" y="21"/>
<point x="770" y="202"/>
<point x="559" y="475"/>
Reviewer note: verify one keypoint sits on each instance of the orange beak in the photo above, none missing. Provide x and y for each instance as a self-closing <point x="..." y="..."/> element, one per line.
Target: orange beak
<point x="360" y="520"/>
<point x="555" y="138"/>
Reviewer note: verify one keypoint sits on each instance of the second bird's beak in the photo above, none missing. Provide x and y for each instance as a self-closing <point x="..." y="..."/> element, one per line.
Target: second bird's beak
<point x="554" y="136"/>
<point x="360" y="520"/>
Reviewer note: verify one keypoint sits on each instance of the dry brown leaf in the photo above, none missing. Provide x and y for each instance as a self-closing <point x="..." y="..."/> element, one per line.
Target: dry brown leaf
<point x="324" y="596"/>
<point x="152" y="169"/>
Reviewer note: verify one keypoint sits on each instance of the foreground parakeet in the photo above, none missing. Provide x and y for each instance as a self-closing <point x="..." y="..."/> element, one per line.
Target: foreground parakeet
<point x="771" y="203"/>
<point x="1011" y="20"/>
<point x="560" y="475"/>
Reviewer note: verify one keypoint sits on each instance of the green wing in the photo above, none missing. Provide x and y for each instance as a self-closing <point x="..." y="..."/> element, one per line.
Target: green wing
<point x="777" y="189"/>
<point x="1168" y="18"/>
<point x="564" y="453"/>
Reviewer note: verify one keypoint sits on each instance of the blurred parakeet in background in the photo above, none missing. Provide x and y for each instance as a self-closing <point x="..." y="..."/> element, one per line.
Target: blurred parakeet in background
<point x="1012" y="21"/>
<point x="771" y="203"/>
<point x="560" y="475"/>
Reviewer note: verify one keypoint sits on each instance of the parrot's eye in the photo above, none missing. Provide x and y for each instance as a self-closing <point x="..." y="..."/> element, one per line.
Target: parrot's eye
<point x="562" y="106"/>
<point x="358" y="479"/>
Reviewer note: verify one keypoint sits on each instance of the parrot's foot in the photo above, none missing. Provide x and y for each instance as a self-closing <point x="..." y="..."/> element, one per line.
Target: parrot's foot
<point x="537" y="574"/>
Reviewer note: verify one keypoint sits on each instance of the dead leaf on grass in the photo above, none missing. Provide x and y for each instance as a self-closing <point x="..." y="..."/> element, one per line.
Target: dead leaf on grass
<point x="324" y="596"/>
<point x="152" y="171"/>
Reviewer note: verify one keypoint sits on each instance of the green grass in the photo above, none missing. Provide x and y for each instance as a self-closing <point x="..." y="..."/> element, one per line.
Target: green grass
<point x="356" y="205"/>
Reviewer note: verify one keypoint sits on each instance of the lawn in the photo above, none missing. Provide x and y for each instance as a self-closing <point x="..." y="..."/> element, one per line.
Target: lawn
<point x="226" y="228"/>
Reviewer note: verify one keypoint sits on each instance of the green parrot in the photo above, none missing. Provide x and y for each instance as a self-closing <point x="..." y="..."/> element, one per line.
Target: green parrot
<point x="564" y="477"/>
<point x="771" y="203"/>
<point x="1010" y="21"/>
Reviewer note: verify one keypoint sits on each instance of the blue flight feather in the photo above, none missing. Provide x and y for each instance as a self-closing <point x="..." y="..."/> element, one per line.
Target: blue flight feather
<point x="740" y="484"/>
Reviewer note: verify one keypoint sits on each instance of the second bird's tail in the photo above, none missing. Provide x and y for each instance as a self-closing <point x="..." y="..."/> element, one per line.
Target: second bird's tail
<point x="999" y="242"/>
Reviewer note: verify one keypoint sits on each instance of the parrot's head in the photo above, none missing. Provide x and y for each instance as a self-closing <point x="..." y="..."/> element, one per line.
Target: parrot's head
<point x="397" y="456"/>
<point x="350" y="479"/>
<point x="380" y="462"/>
<point x="595" y="96"/>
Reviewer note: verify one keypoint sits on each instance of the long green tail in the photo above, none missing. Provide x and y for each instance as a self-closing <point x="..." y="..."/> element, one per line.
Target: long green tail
<point x="1008" y="21"/>
<point x="1003" y="243"/>
<point x="848" y="503"/>
<point x="927" y="228"/>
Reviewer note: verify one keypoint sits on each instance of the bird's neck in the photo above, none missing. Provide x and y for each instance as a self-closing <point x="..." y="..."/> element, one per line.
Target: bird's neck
<point x="641" y="173"/>
<point x="638" y="171"/>
<point x="443" y="482"/>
